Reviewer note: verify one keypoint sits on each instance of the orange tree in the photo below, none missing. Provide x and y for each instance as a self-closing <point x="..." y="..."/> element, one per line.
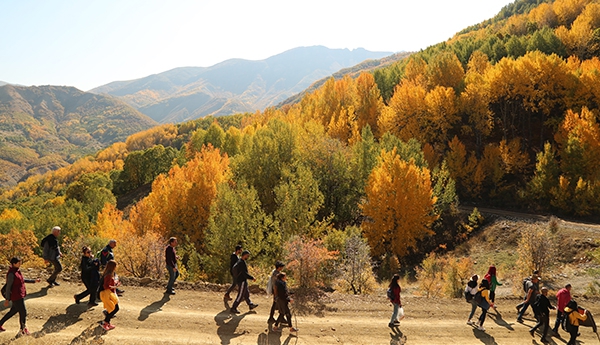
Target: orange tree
<point x="399" y="206"/>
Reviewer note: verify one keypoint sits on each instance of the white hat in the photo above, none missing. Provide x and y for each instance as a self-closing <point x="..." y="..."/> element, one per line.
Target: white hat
<point x="56" y="228"/>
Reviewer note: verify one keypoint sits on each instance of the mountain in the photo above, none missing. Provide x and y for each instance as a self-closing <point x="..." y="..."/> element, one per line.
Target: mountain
<point x="232" y="86"/>
<point x="2" y="83"/>
<point x="44" y="128"/>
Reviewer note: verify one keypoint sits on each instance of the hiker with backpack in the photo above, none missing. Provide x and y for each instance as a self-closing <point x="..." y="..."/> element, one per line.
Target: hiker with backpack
<point x="541" y="307"/>
<point x="233" y="259"/>
<point x="493" y="280"/>
<point x="240" y="270"/>
<point x="89" y="276"/>
<point x="573" y="314"/>
<point x="470" y="292"/>
<point x="482" y="297"/>
<point x="108" y="295"/>
<point x="14" y="291"/>
<point x="563" y="296"/>
<point x="51" y="254"/>
<point x="272" y="291"/>
<point x="393" y="294"/>
<point x="531" y="288"/>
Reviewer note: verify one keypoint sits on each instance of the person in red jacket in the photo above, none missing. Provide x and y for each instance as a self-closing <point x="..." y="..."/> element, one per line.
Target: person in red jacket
<point x="563" y="296"/>
<point x="396" y="289"/>
<point x="15" y="292"/>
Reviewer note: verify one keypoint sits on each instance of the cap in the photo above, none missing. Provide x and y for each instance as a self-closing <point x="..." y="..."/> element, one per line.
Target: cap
<point x="57" y="228"/>
<point x="14" y="260"/>
<point x="245" y="252"/>
<point x="279" y="264"/>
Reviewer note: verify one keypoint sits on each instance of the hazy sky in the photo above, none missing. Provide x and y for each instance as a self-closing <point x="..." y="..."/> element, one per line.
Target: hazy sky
<point x="90" y="43"/>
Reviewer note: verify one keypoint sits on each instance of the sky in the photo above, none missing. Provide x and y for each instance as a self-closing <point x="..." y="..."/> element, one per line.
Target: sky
<point x="91" y="43"/>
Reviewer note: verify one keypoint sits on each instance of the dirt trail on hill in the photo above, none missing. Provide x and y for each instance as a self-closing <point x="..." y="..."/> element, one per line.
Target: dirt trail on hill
<point x="193" y="317"/>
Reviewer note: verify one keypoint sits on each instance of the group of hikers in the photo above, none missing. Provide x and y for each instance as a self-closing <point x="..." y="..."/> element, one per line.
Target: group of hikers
<point x="569" y="314"/>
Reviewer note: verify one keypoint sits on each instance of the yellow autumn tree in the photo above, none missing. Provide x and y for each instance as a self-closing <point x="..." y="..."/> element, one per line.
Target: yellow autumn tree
<point x="399" y="206"/>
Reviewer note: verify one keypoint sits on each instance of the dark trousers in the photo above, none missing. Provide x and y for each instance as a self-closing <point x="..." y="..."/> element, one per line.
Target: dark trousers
<point x="543" y="319"/>
<point x="91" y="288"/>
<point x="57" y="269"/>
<point x="482" y="316"/>
<point x="573" y="331"/>
<point x="492" y="296"/>
<point x="284" y="313"/>
<point x="273" y="308"/>
<point x="18" y="306"/>
<point x="243" y="295"/>
<point x="560" y="316"/>
<point x="172" y="277"/>
<point x="233" y="285"/>
<point x="522" y="308"/>
<point x="111" y="314"/>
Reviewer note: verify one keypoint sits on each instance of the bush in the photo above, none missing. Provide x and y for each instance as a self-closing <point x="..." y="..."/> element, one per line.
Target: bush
<point x="22" y="244"/>
<point x="537" y="247"/>
<point x="306" y="259"/>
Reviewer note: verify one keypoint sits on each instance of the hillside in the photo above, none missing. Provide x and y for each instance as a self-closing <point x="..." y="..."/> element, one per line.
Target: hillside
<point x="234" y="85"/>
<point x="47" y="127"/>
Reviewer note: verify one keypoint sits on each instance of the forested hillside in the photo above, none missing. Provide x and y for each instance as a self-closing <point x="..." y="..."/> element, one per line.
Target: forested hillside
<point x="47" y="127"/>
<point x="361" y="169"/>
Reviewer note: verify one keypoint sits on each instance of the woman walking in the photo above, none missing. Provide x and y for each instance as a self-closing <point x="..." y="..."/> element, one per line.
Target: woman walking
<point x="89" y="276"/>
<point x="483" y="301"/>
<point x="470" y="292"/>
<point x="108" y="295"/>
<point x="395" y="289"/>
<point x="15" y="292"/>
<point x="493" y="280"/>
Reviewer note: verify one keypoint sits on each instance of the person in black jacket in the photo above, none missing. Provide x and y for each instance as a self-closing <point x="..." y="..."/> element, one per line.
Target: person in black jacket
<point x="89" y="276"/>
<point x="541" y="307"/>
<point x="241" y="275"/>
<point x="51" y="253"/>
<point x="283" y="300"/>
<point x="171" y="263"/>
<point x="233" y="259"/>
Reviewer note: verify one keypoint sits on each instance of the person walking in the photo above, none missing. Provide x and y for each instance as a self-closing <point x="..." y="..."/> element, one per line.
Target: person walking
<point x="283" y="301"/>
<point x="51" y="254"/>
<point x="493" y="280"/>
<point x="470" y="292"/>
<point x="240" y="270"/>
<point x="15" y="293"/>
<point x="233" y="259"/>
<point x="484" y="302"/>
<point x="108" y="295"/>
<point x="89" y="276"/>
<point x="532" y="287"/>
<point x="574" y="315"/>
<point x="107" y="254"/>
<point x="563" y="296"/>
<point x="396" y="303"/>
<point x="271" y="289"/>
<point x="542" y="307"/>
<point x="171" y="260"/>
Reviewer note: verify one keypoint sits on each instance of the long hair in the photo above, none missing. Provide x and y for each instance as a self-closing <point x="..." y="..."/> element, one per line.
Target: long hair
<point x="111" y="265"/>
<point x="484" y="284"/>
<point x="492" y="270"/>
<point x="394" y="282"/>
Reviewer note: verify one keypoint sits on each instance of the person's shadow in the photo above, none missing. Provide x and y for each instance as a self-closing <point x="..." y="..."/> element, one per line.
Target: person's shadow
<point x="273" y="338"/>
<point x="94" y="331"/>
<point x="57" y="323"/>
<point x="484" y="337"/>
<point x="397" y="338"/>
<point x="154" y="307"/>
<point x="43" y="292"/>
<point x="227" y="323"/>
<point x="497" y="317"/>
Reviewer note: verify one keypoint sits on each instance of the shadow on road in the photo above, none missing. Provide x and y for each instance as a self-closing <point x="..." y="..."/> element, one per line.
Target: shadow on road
<point x="497" y="317"/>
<point x="154" y="307"/>
<point x="273" y="338"/>
<point x="397" y="338"/>
<point x="90" y="335"/>
<point x="43" y="292"/>
<point x="57" y="323"/>
<point x="228" y="323"/>
<point x="484" y="337"/>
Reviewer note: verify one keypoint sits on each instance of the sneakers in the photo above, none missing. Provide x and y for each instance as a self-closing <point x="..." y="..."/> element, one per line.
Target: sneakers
<point x="170" y="292"/>
<point x="227" y="298"/>
<point x="235" y="311"/>
<point x="396" y="322"/>
<point x="276" y="329"/>
<point x="392" y="325"/>
<point x="470" y="323"/>
<point x="252" y="306"/>
<point x="25" y="331"/>
<point x="481" y="328"/>
<point x="520" y="320"/>
<point x="2" y="329"/>
<point x="532" y="332"/>
<point x="76" y="299"/>
<point x="106" y="326"/>
<point x="293" y="329"/>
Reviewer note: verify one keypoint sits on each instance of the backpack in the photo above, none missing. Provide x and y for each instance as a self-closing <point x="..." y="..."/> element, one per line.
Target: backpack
<point x="390" y="294"/>
<point x="526" y="283"/>
<point x="566" y="322"/>
<point x="488" y="277"/>
<point x="536" y="305"/>
<point x="468" y="296"/>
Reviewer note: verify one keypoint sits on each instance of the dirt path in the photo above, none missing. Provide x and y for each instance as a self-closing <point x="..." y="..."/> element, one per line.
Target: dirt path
<point x="192" y="317"/>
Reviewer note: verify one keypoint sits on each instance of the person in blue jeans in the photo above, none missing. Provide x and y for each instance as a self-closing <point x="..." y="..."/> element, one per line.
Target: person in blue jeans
<point x="171" y="261"/>
<point x="532" y="292"/>
<point x="396" y="302"/>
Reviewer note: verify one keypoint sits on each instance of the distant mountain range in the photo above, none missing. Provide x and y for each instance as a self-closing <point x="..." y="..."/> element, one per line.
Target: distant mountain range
<point x="234" y="85"/>
<point x="44" y="128"/>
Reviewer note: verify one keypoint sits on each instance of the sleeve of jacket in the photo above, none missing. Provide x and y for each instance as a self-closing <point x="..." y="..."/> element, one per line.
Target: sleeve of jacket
<point x="10" y="278"/>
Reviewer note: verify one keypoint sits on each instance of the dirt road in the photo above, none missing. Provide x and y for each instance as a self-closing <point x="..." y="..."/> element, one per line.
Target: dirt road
<point x="192" y="317"/>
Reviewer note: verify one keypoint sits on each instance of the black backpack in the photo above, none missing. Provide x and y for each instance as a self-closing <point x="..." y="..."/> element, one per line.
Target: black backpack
<point x="390" y="294"/>
<point x="525" y="283"/>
